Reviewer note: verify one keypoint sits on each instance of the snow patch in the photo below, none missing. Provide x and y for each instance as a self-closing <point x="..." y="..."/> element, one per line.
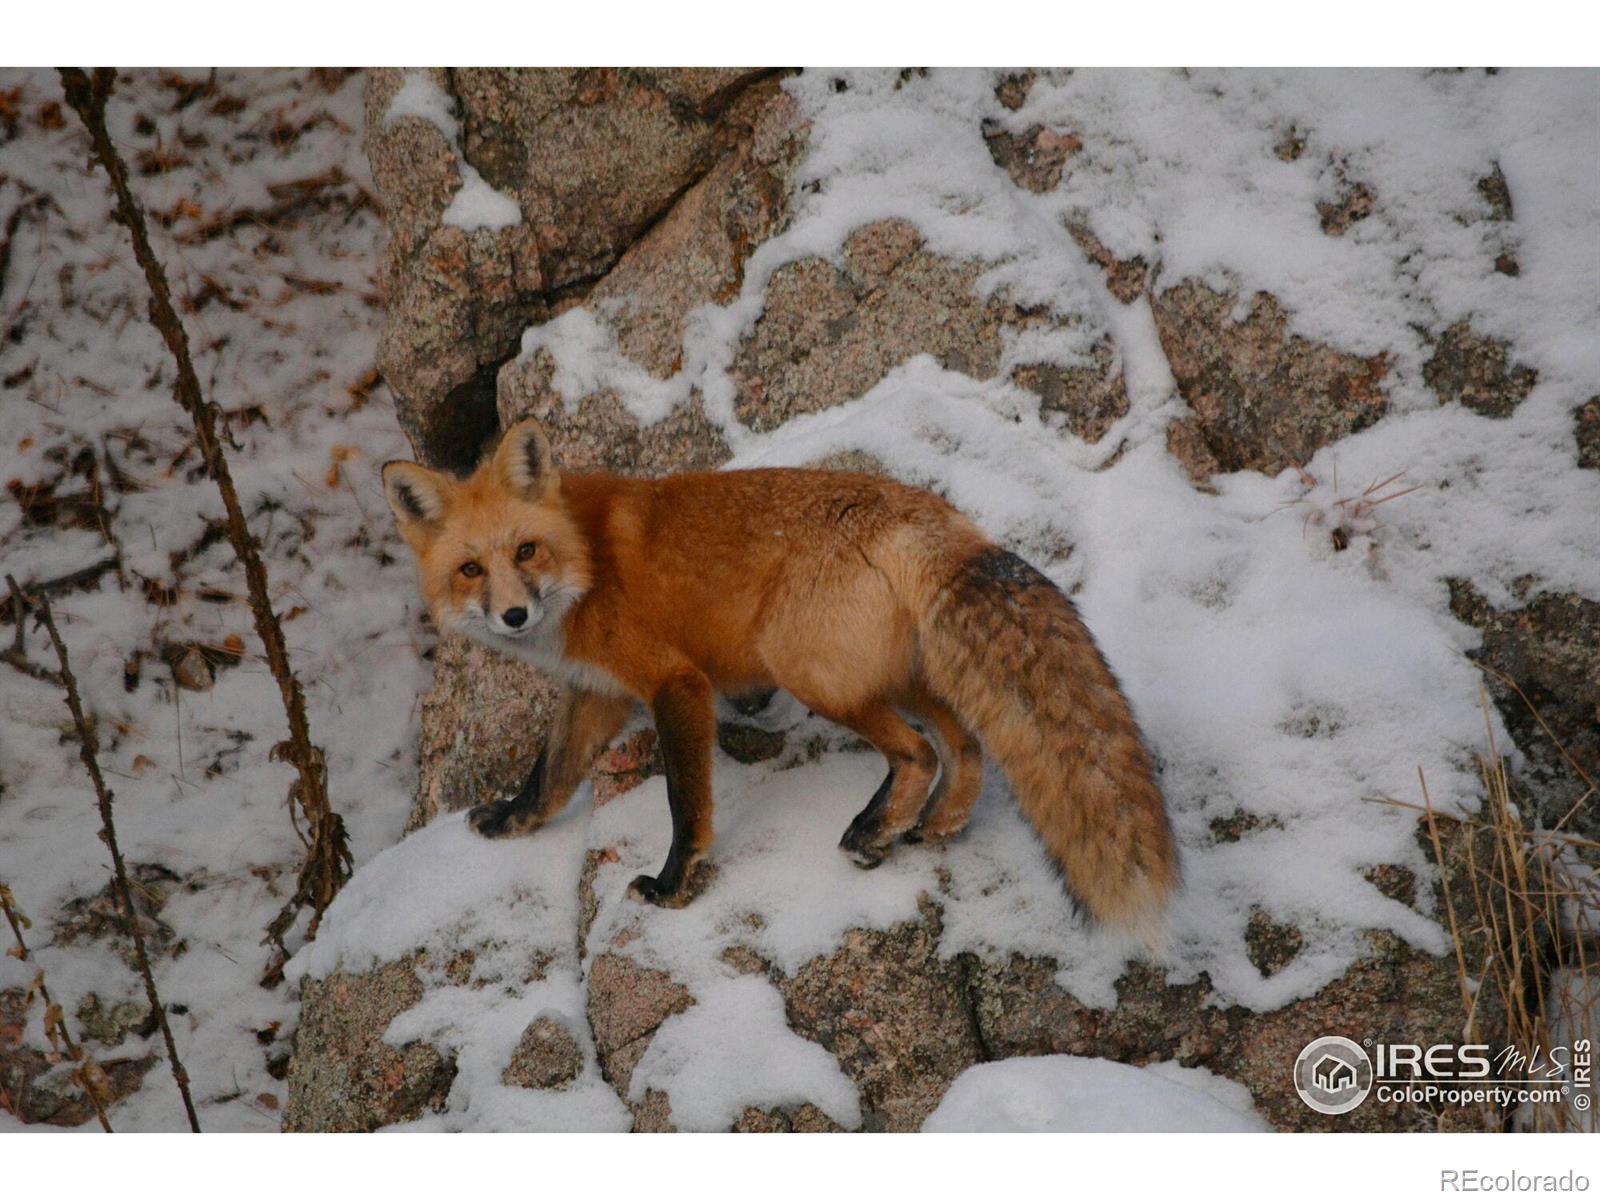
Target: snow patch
<point x="734" y="1049"/>
<point x="1061" y="1093"/>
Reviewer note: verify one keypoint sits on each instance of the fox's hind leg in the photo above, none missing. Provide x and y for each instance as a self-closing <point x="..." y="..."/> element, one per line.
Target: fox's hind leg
<point x="960" y="770"/>
<point x="844" y="647"/>
<point x="899" y="800"/>
<point x="584" y="723"/>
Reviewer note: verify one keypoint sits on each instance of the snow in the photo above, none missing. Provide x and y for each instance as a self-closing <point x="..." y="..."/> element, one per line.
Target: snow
<point x="290" y="326"/>
<point x="1275" y="678"/>
<point x="732" y="1049"/>
<point x="584" y="348"/>
<point x="479" y="206"/>
<point x="1061" y="1093"/>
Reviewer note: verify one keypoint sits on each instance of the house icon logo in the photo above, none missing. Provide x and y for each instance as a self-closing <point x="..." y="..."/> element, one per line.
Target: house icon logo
<point x="1333" y="1075"/>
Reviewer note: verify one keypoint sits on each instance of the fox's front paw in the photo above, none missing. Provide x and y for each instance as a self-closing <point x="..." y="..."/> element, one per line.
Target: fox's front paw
<point x="651" y="890"/>
<point x="502" y="818"/>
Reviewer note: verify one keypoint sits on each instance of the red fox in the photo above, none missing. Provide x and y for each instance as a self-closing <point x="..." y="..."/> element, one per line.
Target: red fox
<point x="867" y="600"/>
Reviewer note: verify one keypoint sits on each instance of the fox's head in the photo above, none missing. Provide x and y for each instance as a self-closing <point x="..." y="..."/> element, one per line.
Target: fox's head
<point x="498" y="556"/>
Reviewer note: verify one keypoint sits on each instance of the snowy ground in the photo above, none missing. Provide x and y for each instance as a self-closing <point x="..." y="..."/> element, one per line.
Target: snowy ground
<point x="283" y="321"/>
<point x="1274" y="676"/>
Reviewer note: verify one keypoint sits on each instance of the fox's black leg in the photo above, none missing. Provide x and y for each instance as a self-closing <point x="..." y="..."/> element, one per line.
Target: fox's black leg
<point x="668" y="888"/>
<point x="860" y="841"/>
<point x="584" y="723"/>
<point x="686" y="725"/>
<point x="516" y="814"/>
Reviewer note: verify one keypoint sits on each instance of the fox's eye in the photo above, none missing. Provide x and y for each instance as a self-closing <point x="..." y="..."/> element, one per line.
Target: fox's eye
<point x="526" y="551"/>
<point x="471" y="570"/>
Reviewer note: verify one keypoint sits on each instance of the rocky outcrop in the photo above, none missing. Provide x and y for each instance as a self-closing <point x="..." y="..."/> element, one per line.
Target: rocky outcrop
<point x="600" y="434"/>
<point x="1125" y="278"/>
<point x="483" y="722"/>
<point x="828" y="334"/>
<point x="627" y="1004"/>
<point x="597" y="160"/>
<point x="895" y="1015"/>
<point x="643" y="196"/>
<point x="546" y="1057"/>
<point x="903" y="1019"/>
<point x="1087" y="399"/>
<point x="1035" y="158"/>
<point x="1262" y="398"/>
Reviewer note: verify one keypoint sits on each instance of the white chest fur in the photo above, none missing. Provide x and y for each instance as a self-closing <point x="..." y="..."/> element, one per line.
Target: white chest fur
<point x="545" y="648"/>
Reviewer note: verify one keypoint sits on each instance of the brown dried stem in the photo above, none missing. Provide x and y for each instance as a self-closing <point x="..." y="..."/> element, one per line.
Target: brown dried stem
<point x="88" y="751"/>
<point x="327" y="862"/>
<point x="17" y="654"/>
<point x="1528" y="912"/>
<point x="87" y="1072"/>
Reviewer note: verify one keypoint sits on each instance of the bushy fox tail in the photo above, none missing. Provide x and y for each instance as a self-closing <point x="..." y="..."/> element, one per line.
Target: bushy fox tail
<point x="1004" y="647"/>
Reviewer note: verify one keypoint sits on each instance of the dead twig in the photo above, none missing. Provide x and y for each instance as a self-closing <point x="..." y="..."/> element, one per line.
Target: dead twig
<point x="292" y="199"/>
<point x="86" y="1072"/>
<point x="84" y="577"/>
<point x="1469" y="1003"/>
<point x="88" y="751"/>
<point x="328" y="860"/>
<point x="17" y="655"/>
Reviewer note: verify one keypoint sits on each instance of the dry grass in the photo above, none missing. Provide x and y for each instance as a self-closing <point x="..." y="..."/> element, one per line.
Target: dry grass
<point x="1346" y="515"/>
<point x="1523" y="910"/>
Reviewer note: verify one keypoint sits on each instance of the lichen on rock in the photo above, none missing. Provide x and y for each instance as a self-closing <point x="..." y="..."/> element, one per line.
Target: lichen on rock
<point x="1475" y="371"/>
<point x="483" y="722"/>
<point x="546" y="1057"/>
<point x="343" y="1077"/>
<point x="1262" y="398"/>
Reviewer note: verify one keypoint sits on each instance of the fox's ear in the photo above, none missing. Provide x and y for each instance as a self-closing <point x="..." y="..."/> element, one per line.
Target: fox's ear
<point x="523" y="463"/>
<point x="415" y="493"/>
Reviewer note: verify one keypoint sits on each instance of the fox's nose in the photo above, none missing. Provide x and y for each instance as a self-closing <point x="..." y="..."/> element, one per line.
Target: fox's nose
<point x="514" y="617"/>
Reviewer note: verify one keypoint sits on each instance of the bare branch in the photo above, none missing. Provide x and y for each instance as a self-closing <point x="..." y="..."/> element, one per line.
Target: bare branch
<point x="88" y="751"/>
<point x="17" y="654"/>
<point x="327" y="863"/>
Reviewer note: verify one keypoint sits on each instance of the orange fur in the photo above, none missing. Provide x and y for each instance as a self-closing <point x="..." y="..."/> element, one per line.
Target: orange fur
<point x="864" y="598"/>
